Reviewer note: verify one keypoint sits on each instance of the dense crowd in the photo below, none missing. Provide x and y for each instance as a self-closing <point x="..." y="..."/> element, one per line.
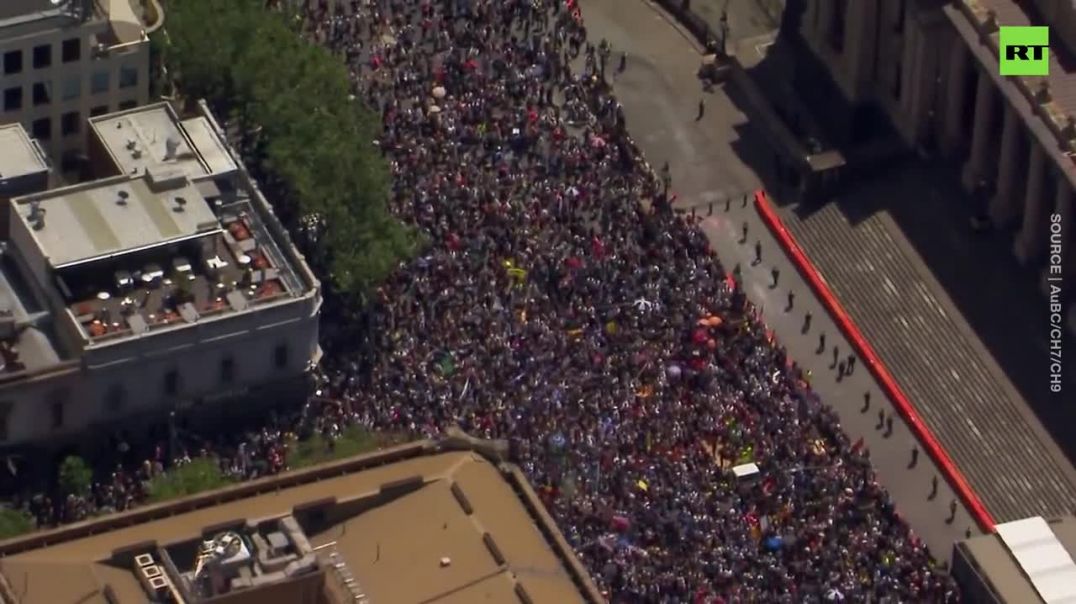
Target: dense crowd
<point x="562" y="305"/>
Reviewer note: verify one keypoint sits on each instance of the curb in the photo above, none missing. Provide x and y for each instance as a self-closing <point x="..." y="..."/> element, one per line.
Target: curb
<point x="870" y="358"/>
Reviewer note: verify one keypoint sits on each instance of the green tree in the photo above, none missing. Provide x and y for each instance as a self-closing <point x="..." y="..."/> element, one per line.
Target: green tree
<point x="75" y="476"/>
<point x="312" y="138"/>
<point x="202" y="474"/>
<point x="316" y="449"/>
<point x="14" y="523"/>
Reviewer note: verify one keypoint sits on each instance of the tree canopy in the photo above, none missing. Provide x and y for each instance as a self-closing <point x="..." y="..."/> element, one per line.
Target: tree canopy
<point x="75" y="476"/>
<point x="312" y="138"/>
<point x="201" y="474"/>
<point x="14" y="523"/>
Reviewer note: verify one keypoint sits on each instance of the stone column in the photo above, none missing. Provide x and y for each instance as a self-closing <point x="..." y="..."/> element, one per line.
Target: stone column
<point x="810" y="16"/>
<point x="922" y="81"/>
<point x="825" y="19"/>
<point x="956" y="96"/>
<point x="1004" y="207"/>
<point x="976" y="167"/>
<point x="1031" y="241"/>
<point x="907" y="66"/>
<point x="862" y="43"/>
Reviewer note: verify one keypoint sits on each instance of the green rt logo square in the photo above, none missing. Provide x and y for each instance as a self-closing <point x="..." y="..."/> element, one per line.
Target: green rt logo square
<point x="1025" y="51"/>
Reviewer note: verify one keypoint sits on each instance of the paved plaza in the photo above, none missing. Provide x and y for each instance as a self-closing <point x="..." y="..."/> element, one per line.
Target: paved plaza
<point x="964" y="396"/>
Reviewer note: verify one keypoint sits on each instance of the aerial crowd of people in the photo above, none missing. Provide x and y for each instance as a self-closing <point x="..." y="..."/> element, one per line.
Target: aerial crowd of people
<point x="562" y="305"/>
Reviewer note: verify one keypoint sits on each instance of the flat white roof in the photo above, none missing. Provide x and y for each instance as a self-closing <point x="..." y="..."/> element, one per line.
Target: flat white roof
<point x="207" y="143"/>
<point x="18" y="155"/>
<point x="148" y="137"/>
<point x="1042" y="557"/>
<point x="86" y="222"/>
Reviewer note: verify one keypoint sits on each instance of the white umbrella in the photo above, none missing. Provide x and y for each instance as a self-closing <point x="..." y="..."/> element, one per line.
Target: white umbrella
<point x="434" y="109"/>
<point x="439" y="92"/>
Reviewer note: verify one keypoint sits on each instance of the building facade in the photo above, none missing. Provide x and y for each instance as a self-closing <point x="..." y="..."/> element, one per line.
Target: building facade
<point x="932" y="66"/>
<point x="167" y="284"/>
<point x="62" y="62"/>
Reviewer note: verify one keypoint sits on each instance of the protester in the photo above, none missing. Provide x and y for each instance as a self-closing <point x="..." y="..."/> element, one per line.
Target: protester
<point x="562" y="305"/>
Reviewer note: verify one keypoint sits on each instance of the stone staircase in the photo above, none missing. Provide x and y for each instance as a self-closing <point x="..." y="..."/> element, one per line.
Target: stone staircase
<point x="938" y="366"/>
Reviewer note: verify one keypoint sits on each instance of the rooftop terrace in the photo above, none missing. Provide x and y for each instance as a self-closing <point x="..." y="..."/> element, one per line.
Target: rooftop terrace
<point x="231" y="268"/>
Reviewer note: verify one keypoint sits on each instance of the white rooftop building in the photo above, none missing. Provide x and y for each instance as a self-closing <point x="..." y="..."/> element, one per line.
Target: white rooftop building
<point x="166" y="285"/>
<point x="62" y="61"/>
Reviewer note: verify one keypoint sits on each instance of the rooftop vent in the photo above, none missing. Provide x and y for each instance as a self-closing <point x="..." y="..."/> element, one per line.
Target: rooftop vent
<point x="37" y="215"/>
<point x="121" y="197"/>
<point x="170" y="147"/>
<point x="181" y="203"/>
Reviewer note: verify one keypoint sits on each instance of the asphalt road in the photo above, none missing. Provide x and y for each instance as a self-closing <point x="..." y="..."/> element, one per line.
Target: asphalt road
<point x="707" y="156"/>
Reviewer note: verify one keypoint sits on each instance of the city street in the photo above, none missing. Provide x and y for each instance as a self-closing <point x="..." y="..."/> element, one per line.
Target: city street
<point x="660" y="95"/>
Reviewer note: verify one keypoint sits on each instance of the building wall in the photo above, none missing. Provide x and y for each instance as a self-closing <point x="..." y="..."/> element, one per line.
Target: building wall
<point x="944" y="98"/>
<point x="131" y="378"/>
<point x="68" y="90"/>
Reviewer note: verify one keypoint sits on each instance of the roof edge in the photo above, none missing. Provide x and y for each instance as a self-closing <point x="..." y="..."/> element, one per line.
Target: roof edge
<point x="493" y="451"/>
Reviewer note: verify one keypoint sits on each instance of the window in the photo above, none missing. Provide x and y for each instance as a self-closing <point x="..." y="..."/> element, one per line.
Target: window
<point x="98" y="110"/>
<point x="124" y="106"/>
<point x="12" y="62"/>
<point x="13" y="99"/>
<point x="171" y="382"/>
<point x="227" y="370"/>
<point x="42" y="129"/>
<point x="42" y="93"/>
<point x="99" y="82"/>
<point x="72" y="88"/>
<point x="128" y="76"/>
<point x="71" y="50"/>
<point x="69" y="123"/>
<point x="42" y="56"/>
<point x="57" y="414"/>
<point x="280" y="356"/>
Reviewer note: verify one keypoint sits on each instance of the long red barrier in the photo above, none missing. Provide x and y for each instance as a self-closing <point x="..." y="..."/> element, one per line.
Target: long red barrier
<point x="877" y="368"/>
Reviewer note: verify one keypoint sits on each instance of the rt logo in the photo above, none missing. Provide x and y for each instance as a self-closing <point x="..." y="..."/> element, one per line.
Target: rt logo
<point x="1025" y="51"/>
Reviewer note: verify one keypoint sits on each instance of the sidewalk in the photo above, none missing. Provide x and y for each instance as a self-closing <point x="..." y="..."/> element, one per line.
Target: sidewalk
<point x="660" y="95"/>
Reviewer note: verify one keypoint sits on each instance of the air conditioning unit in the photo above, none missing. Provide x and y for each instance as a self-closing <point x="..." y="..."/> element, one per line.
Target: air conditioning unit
<point x="150" y="572"/>
<point x="153" y="579"/>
